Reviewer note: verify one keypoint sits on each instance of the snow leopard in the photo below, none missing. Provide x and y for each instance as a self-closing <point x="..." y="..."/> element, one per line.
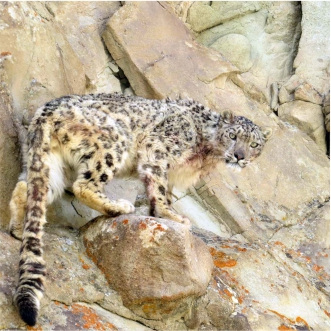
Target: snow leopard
<point x="82" y="141"/>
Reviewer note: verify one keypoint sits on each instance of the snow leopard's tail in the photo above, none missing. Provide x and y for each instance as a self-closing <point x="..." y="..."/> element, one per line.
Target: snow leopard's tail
<point x="30" y="286"/>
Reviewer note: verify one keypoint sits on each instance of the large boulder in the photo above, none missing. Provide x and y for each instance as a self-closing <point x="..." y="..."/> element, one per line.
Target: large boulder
<point x="158" y="267"/>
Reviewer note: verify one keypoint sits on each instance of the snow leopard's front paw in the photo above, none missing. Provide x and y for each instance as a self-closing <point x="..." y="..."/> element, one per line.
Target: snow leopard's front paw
<point x="176" y="217"/>
<point x="125" y="206"/>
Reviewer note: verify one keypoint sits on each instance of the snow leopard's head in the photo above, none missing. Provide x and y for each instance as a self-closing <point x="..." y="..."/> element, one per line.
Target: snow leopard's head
<point x="240" y="140"/>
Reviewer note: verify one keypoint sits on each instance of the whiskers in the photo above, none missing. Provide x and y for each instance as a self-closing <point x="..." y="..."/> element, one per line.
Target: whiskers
<point x="234" y="166"/>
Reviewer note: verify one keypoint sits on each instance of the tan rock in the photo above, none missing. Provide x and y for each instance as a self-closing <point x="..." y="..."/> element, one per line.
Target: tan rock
<point x="313" y="59"/>
<point x="272" y="29"/>
<point x="306" y="116"/>
<point x="50" y="66"/>
<point x="203" y="15"/>
<point x="236" y="48"/>
<point x="141" y="64"/>
<point x="284" y="96"/>
<point x="83" y="34"/>
<point x="306" y="92"/>
<point x="253" y="287"/>
<point x="156" y="265"/>
<point x="9" y="153"/>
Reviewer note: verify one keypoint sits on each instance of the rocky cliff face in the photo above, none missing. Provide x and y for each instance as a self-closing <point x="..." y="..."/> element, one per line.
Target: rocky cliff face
<point x="266" y="228"/>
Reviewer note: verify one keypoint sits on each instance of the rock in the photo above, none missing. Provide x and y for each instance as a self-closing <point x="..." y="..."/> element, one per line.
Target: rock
<point x="307" y="93"/>
<point x="326" y="112"/>
<point x="141" y="65"/>
<point x="284" y="96"/>
<point x="42" y="57"/>
<point x="203" y="15"/>
<point x="308" y="117"/>
<point x="52" y="68"/>
<point x="83" y="33"/>
<point x="271" y="28"/>
<point x="9" y="155"/>
<point x="56" y="59"/>
<point x="263" y="287"/>
<point x="313" y="59"/>
<point x="156" y="265"/>
<point x="236" y="48"/>
<point x="253" y="286"/>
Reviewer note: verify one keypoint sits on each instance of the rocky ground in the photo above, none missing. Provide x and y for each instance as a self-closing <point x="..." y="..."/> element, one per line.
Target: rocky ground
<point x="257" y="256"/>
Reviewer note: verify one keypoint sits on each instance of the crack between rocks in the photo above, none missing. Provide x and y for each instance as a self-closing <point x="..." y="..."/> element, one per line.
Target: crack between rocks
<point x="73" y="206"/>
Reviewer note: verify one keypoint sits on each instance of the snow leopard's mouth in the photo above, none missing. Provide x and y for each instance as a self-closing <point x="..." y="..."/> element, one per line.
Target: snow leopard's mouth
<point x="235" y="163"/>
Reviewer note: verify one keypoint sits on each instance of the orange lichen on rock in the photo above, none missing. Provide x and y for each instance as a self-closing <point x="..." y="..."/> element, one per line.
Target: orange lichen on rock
<point x="278" y="243"/>
<point x="142" y="226"/>
<point x="220" y="259"/>
<point x="284" y="328"/>
<point x="34" y="328"/>
<point x="84" y="265"/>
<point x="326" y="313"/>
<point x="282" y="316"/>
<point x="302" y="321"/>
<point x="317" y="268"/>
<point x="125" y="222"/>
<point x="90" y="318"/>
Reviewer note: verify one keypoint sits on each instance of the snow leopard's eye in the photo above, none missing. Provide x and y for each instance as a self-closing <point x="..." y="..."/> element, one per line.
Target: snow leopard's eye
<point x="254" y="145"/>
<point x="232" y="136"/>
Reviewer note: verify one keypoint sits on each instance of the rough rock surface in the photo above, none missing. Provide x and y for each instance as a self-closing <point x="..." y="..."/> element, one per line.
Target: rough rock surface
<point x="271" y="28"/>
<point x="306" y="116"/>
<point x="253" y="286"/>
<point x="156" y="265"/>
<point x="269" y="222"/>
<point x="8" y="150"/>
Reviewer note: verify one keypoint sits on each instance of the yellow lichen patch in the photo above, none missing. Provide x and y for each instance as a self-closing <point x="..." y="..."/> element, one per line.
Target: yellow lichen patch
<point x="90" y="318"/>
<point x="149" y="308"/>
<point x="221" y="260"/>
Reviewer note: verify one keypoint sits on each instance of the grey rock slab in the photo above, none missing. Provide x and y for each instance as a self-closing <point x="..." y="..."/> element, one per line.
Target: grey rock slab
<point x="313" y="59"/>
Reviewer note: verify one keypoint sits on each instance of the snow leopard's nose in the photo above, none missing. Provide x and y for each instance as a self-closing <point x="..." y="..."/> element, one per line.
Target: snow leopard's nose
<point x="239" y="155"/>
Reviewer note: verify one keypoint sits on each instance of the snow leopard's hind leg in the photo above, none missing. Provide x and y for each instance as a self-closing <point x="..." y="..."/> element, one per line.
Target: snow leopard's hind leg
<point x="17" y="208"/>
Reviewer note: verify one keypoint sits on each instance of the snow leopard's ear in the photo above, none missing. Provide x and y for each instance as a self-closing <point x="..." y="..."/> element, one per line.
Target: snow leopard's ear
<point x="267" y="132"/>
<point x="228" y="116"/>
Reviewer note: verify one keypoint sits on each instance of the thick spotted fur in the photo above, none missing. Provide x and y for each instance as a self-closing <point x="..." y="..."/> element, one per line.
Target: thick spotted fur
<point x="82" y="142"/>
